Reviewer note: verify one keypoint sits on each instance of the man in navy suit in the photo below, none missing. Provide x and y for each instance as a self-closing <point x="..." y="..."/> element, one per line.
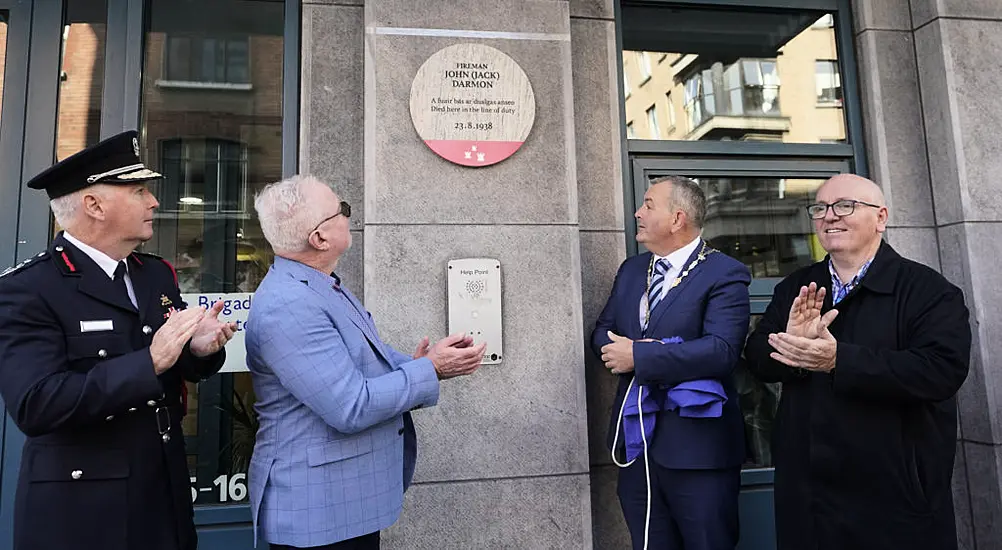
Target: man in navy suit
<point x="672" y="331"/>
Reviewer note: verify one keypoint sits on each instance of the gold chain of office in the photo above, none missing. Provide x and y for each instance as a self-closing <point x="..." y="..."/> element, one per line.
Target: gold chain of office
<point x="704" y="251"/>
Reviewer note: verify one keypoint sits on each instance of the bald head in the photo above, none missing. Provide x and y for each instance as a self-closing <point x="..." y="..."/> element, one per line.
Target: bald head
<point x="856" y="216"/>
<point x="851" y="186"/>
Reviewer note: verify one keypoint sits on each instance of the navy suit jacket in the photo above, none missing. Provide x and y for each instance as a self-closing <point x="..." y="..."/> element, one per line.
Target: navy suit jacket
<point x="709" y="310"/>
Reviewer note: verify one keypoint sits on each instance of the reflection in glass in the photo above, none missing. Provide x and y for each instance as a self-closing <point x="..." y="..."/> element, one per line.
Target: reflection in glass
<point x="4" y="17"/>
<point x="211" y="122"/>
<point x="739" y="76"/>
<point x="759" y="402"/>
<point x="828" y="82"/>
<point x="81" y="78"/>
<point x="762" y="222"/>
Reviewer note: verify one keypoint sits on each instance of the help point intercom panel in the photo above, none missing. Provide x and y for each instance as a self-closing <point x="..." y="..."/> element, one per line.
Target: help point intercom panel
<point x="475" y="303"/>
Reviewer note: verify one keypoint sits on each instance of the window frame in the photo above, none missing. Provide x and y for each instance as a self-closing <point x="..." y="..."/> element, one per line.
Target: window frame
<point x="195" y="81"/>
<point x="185" y="159"/>
<point x="835" y="78"/>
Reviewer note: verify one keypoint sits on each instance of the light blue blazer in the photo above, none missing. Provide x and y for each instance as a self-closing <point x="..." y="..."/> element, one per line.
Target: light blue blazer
<point x="335" y="448"/>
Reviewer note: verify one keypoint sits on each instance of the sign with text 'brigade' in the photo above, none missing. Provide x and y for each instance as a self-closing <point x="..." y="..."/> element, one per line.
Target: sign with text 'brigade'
<point x="236" y="306"/>
<point x="472" y="104"/>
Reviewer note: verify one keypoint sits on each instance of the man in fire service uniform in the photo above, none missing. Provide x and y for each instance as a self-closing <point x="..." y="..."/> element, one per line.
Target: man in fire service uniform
<point x="95" y="345"/>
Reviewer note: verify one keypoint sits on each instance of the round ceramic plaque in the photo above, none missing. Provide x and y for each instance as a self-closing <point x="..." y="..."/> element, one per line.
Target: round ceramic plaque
<point x="472" y="104"/>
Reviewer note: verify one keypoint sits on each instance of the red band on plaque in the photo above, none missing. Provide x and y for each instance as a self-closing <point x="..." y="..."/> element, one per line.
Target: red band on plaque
<point x="472" y="104"/>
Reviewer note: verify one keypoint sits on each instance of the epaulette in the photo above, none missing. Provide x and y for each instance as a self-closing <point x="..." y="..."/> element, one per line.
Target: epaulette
<point x="25" y="264"/>
<point x="147" y="255"/>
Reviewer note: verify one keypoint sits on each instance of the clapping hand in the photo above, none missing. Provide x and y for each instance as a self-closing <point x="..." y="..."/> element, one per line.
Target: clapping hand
<point x="170" y="339"/>
<point x="211" y="334"/>
<point x="807" y="342"/>
<point x="454" y="355"/>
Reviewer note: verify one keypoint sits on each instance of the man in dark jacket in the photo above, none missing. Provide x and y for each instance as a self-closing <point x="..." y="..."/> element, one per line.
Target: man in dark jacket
<point x="871" y="349"/>
<point x="95" y="345"/>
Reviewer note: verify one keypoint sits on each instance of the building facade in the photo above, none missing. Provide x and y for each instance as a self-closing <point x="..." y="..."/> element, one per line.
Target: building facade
<point x="759" y="100"/>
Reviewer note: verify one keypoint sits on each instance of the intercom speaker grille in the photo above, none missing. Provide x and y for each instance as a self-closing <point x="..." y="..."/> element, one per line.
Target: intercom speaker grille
<point x="476" y="287"/>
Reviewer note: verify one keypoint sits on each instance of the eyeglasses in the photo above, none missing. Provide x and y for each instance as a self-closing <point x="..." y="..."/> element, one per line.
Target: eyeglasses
<point x="344" y="209"/>
<point x="841" y="208"/>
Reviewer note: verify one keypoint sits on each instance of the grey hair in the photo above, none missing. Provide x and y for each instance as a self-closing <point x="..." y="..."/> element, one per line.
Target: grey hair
<point x="66" y="208"/>
<point x="286" y="213"/>
<point x="688" y="196"/>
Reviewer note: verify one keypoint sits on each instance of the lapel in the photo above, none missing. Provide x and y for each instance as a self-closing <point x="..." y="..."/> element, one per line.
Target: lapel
<point x="355" y="312"/>
<point x="340" y="299"/>
<point x="674" y="292"/>
<point x="635" y="293"/>
<point x="94" y="281"/>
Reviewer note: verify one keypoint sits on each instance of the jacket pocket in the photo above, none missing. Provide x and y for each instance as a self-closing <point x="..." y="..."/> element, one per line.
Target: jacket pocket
<point x="97" y="346"/>
<point x="916" y="477"/>
<point x="333" y="451"/>
<point x="73" y="464"/>
<point x="76" y="494"/>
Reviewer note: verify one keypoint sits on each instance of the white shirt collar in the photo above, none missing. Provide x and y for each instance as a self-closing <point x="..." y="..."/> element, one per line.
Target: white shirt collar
<point x="107" y="264"/>
<point x="679" y="257"/>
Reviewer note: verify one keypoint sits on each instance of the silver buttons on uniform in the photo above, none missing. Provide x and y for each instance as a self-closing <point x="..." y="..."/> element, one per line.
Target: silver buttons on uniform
<point x="76" y="474"/>
<point x="102" y="353"/>
<point x="59" y="249"/>
<point x="132" y="409"/>
<point x="151" y="403"/>
<point x="147" y="330"/>
<point x="110" y="417"/>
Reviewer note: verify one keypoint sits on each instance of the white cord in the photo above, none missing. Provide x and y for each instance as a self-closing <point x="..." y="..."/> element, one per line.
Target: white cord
<point x="647" y="464"/>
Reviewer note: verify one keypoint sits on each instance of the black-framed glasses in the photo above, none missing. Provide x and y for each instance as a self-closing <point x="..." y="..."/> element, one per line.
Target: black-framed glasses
<point x="345" y="209"/>
<point x="844" y="207"/>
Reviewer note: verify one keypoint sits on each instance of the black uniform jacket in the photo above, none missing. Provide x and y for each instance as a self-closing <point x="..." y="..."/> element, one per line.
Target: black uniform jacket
<point x="864" y="455"/>
<point x="77" y="378"/>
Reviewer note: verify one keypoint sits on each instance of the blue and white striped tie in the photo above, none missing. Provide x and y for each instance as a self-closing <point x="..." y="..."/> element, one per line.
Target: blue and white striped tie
<point x="654" y="293"/>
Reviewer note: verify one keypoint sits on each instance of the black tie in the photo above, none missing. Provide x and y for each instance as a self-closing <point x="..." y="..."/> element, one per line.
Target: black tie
<point x="120" y="272"/>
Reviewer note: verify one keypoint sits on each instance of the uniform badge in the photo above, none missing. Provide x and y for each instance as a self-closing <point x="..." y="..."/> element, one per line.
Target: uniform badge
<point x="168" y="306"/>
<point x="135" y="146"/>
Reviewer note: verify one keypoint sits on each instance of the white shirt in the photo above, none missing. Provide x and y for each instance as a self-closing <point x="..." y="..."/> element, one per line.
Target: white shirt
<point x="676" y="261"/>
<point x="105" y="262"/>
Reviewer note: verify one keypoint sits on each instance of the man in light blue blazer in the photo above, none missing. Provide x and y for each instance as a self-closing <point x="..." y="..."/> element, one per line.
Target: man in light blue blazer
<point x="336" y="446"/>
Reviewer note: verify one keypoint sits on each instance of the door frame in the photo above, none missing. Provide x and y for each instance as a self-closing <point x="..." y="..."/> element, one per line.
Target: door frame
<point x="24" y="93"/>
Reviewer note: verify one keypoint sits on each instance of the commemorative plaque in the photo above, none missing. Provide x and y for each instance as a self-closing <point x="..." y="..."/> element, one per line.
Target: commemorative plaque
<point x="472" y="104"/>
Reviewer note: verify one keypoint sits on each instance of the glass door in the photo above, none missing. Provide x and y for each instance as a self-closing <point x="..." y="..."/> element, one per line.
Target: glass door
<point x="211" y="120"/>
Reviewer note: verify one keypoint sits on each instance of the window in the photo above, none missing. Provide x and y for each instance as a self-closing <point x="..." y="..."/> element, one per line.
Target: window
<point x="205" y="175"/>
<point x="626" y="84"/>
<point x="671" y="110"/>
<point x="828" y="83"/>
<point x="645" y="65"/>
<point x="724" y="69"/>
<point x="652" y="122"/>
<point x="630" y="133"/>
<point x="699" y="100"/>
<point x="207" y="59"/>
